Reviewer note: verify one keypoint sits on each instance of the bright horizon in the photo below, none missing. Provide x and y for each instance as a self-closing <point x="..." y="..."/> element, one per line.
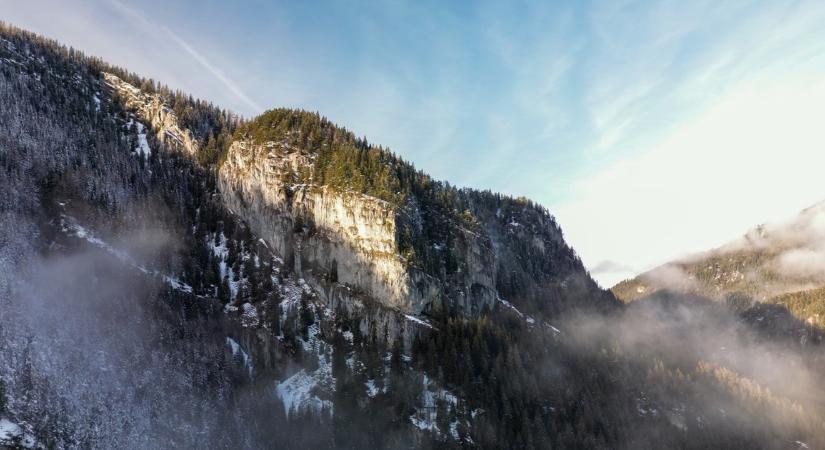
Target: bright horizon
<point x="650" y="130"/>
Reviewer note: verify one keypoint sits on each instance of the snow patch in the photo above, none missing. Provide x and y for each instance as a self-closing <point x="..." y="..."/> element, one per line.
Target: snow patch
<point x="298" y="392"/>
<point x="425" y="415"/>
<point x="249" y="317"/>
<point x="454" y="429"/>
<point x="13" y="434"/>
<point x="372" y="389"/>
<point x="530" y="320"/>
<point x="143" y="144"/>
<point x="238" y="351"/>
<point x="9" y="430"/>
<point x="555" y="330"/>
<point x="418" y="321"/>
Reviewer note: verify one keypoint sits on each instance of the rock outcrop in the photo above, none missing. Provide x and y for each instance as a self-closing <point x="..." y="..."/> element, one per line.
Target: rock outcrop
<point x="160" y="118"/>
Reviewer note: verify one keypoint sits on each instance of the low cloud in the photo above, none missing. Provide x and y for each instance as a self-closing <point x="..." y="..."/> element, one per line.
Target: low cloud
<point x="608" y="273"/>
<point x="723" y="365"/>
<point x="802" y="263"/>
<point x="671" y="276"/>
<point x="608" y="266"/>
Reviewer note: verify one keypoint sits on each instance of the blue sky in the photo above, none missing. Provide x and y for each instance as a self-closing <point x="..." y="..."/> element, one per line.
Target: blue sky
<point x="650" y="129"/>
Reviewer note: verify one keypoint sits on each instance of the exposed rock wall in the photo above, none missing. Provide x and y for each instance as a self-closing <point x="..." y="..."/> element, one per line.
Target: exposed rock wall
<point x="328" y="235"/>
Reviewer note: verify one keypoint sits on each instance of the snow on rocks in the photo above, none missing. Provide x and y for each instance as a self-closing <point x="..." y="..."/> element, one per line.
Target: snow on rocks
<point x="296" y="392"/>
<point x="372" y="388"/>
<point x="530" y="320"/>
<point x="425" y="415"/>
<point x="510" y="306"/>
<point x="454" y="430"/>
<point x="306" y="390"/>
<point x="302" y="391"/>
<point x="14" y="436"/>
<point x="238" y="352"/>
<point x="418" y="321"/>
<point x="9" y="430"/>
<point x="151" y="109"/>
<point x="143" y="143"/>
<point x="551" y="327"/>
<point x="249" y="316"/>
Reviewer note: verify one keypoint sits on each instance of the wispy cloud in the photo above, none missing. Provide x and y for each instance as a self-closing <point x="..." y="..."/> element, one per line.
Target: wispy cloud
<point x="704" y="121"/>
<point x="199" y="57"/>
<point x="215" y="71"/>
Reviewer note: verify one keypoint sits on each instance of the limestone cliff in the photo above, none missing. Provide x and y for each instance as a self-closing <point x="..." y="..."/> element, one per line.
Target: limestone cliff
<point x="342" y="237"/>
<point x="151" y="109"/>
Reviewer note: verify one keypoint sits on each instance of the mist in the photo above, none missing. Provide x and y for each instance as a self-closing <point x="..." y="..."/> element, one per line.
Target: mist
<point x="98" y="353"/>
<point x="700" y="366"/>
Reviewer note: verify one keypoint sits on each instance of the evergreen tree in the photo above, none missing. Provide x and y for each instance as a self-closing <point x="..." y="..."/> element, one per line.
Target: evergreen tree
<point x="3" y="399"/>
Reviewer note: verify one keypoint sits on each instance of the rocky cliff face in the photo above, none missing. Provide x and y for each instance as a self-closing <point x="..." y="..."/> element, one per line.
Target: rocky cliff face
<point x="161" y="118"/>
<point x="328" y="236"/>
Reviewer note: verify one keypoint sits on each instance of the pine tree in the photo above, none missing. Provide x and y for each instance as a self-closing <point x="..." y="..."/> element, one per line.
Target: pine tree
<point x="3" y="400"/>
<point x="224" y="291"/>
<point x="307" y="317"/>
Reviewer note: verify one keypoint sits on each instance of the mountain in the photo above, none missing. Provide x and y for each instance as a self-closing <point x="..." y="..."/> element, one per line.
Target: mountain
<point x="779" y="263"/>
<point x="175" y="276"/>
<point x="345" y="213"/>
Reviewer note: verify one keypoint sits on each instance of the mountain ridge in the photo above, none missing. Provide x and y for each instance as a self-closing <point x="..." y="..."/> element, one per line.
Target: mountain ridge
<point x="297" y="153"/>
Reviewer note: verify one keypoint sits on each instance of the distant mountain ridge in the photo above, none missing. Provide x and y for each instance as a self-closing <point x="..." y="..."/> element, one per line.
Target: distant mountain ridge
<point x="782" y="262"/>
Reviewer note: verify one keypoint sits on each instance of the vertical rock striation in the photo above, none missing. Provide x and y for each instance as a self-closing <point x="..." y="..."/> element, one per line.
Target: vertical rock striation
<point x="328" y="236"/>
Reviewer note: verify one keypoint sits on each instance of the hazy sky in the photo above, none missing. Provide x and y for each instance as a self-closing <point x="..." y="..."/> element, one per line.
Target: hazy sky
<point x="650" y="129"/>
